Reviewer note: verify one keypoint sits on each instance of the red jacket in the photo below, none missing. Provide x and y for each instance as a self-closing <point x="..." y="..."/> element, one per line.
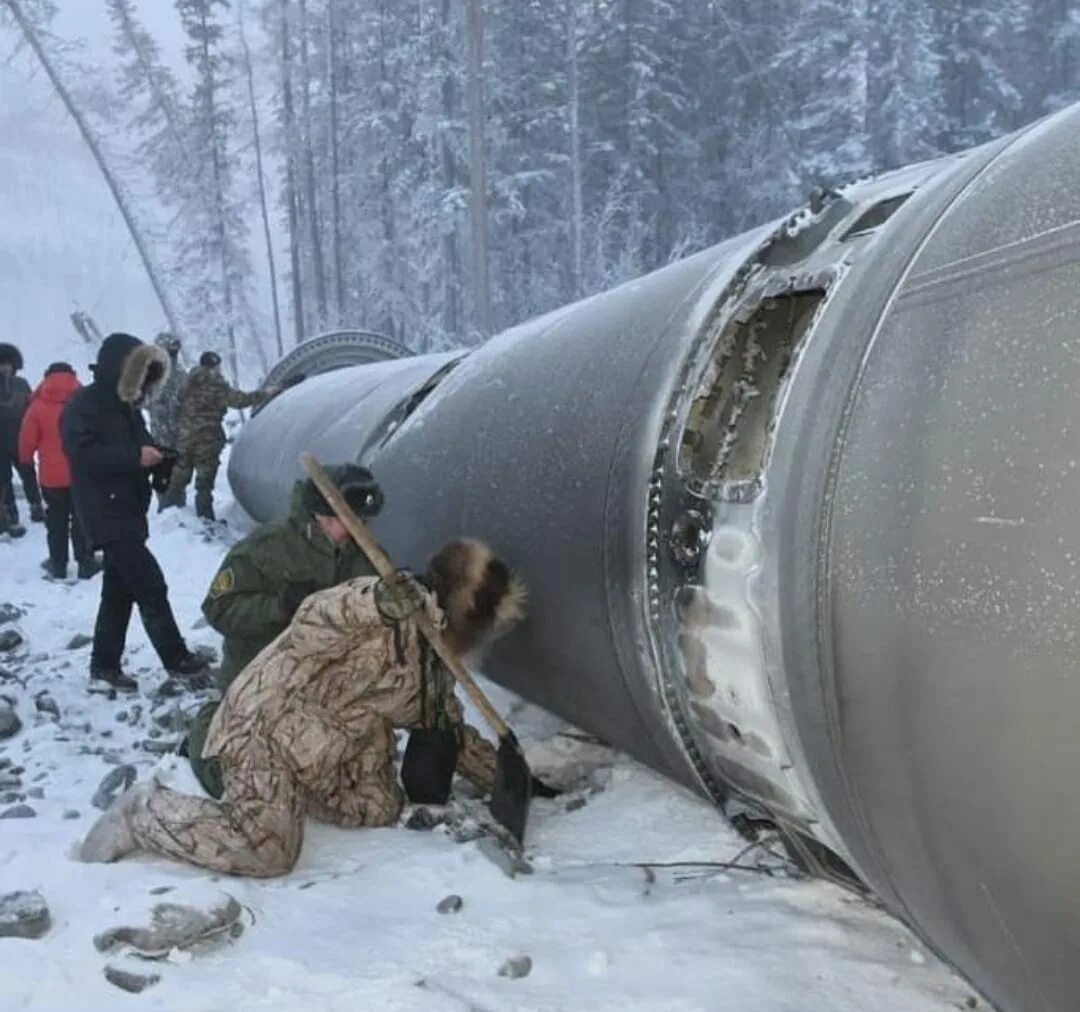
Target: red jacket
<point x="40" y="430"/>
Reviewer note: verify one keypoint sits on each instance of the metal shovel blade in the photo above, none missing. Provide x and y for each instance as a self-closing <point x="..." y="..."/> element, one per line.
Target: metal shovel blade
<point x="513" y="788"/>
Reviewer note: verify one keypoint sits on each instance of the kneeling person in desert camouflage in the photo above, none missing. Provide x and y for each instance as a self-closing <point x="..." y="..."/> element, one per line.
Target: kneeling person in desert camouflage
<point x="308" y="726"/>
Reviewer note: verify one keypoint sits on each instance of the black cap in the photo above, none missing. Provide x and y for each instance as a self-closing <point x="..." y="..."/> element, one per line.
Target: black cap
<point x="356" y="484"/>
<point x="209" y="359"/>
<point x="59" y="367"/>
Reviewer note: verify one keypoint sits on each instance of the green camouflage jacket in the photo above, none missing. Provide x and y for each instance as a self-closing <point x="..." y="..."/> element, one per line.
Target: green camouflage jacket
<point x="205" y="398"/>
<point x="244" y="601"/>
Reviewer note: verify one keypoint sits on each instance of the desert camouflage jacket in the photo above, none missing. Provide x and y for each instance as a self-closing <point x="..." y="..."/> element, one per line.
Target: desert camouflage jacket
<point x="341" y="658"/>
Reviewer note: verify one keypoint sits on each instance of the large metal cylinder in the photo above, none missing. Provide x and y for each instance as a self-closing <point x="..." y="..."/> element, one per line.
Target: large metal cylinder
<point x="799" y="519"/>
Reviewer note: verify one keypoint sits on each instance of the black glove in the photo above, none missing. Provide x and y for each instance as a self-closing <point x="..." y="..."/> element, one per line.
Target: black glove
<point x="293" y="595"/>
<point x="542" y="790"/>
<point x="161" y="474"/>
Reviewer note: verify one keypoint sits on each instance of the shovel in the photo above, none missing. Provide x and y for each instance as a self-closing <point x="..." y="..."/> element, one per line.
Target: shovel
<point x="513" y="779"/>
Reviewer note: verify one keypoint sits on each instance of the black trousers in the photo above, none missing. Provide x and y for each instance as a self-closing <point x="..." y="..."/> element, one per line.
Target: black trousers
<point x="28" y="475"/>
<point x="62" y="524"/>
<point x="132" y="576"/>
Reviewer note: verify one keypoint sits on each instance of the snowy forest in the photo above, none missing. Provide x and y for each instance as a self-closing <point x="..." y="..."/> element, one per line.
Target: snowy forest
<point x="437" y="170"/>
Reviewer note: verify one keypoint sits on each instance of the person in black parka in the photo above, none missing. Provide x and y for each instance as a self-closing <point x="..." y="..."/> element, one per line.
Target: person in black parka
<point x="14" y="397"/>
<point x="112" y="460"/>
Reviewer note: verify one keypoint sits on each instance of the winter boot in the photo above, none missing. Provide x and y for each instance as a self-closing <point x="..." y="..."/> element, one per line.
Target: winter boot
<point x="111" y="678"/>
<point x="204" y="506"/>
<point x="37" y="513"/>
<point x="16" y="530"/>
<point x="110" y="838"/>
<point x="88" y="569"/>
<point x="54" y="570"/>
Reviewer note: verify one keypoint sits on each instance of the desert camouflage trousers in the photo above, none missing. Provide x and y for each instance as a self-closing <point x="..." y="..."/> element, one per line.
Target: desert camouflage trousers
<point x="310" y="766"/>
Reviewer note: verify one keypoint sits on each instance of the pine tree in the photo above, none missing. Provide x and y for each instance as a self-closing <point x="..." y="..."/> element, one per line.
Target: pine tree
<point x="217" y="233"/>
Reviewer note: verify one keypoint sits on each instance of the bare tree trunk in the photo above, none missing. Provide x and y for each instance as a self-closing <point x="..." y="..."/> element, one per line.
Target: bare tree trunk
<point x="261" y="176"/>
<point x="576" y="196"/>
<point x="452" y="267"/>
<point x="289" y="112"/>
<point x="127" y="212"/>
<point x="318" y="265"/>
<point x="335" y="163"/>
<point x="478" y="171"/>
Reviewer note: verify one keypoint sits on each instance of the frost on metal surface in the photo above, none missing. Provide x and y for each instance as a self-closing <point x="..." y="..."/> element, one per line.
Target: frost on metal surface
<point x="725" y="440"/>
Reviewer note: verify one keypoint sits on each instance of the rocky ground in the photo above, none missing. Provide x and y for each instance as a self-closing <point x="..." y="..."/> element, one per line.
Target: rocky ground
<point x="631" y="894"/>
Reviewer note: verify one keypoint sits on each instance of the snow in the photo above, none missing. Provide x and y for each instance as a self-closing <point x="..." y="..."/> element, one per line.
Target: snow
<point x="355" y="925"/>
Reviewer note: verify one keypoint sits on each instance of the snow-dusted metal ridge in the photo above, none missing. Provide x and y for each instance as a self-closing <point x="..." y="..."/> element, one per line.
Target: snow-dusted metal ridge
<point x="798" y="516"/>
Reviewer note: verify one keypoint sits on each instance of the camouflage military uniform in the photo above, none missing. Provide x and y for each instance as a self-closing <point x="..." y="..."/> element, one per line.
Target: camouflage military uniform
<point x="245" y="599"/>
<point x="164" y="408"/>
<point x="308" y="729"/>
<point x="205" y="398"/>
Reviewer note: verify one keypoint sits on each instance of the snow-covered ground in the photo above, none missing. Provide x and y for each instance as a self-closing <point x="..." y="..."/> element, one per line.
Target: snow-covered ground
<point x="355" y="925"/>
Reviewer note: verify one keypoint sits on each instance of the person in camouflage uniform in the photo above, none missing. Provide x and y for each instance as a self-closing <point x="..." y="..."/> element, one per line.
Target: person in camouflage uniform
<point x="308" y="727"/>
<point x="165" y="407"/>
<point x="205" y="398"/>
<point x="262" y="580"/>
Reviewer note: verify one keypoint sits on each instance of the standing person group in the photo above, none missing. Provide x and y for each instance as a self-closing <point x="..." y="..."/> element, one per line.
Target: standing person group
<point x="14" y="400"/>
<point x="40" y="435"/>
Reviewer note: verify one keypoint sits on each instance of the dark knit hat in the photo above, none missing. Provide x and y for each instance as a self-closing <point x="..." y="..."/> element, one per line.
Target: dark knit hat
<point x="59" y="367"/>
<point x="356" y="484"/>
<point x="10" y="355"/>
<point x="209" y="359"/>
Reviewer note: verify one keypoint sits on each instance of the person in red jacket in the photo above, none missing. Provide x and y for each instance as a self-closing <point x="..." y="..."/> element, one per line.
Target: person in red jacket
<point x="40" y="434"/>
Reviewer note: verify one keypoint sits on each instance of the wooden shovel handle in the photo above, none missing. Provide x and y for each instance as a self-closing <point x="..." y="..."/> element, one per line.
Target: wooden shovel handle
<point x="385" y="568"/>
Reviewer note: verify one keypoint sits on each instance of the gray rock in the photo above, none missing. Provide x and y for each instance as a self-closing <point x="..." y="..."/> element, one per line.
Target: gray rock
<point x="9" y="782"/>
<point x="128" y="981"/>
<point x="161" y="890"/>
<point x="36" y="792"/>
<point x="574" y="804"/>
<point x="24" y="915"/>
<point x="10" y="724"/>
<point x="422" y="818"/>
<point x="121" y="716"/>
<point x="159" y="747"/>
<point x="71" y="813"/>
<point x="79" y="640"/>
<point x="9" y="613"/>
<point x="508" y="861"/>
<point x="516" y="967"/>
<point x="10" y="797"/>
<point x="47" y="705"/>
<point x="10" y="639"/>
<point x="450" y="905"/>
<point x="115" y="781"/>
<point x="5" y="762"/>
<point x="18" y="812"/>
<point x="175" y="926"/>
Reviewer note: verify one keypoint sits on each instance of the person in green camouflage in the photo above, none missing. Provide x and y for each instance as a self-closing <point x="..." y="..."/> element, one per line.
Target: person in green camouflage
<point x="265" y="577"/>
<point x="205" y="398"/>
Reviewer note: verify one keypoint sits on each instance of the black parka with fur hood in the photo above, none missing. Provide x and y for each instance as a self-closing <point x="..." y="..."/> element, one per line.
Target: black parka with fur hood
<point x="103" y="431"/>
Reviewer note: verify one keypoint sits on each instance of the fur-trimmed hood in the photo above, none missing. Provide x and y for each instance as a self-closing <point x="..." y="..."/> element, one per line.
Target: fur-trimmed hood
<point x="133" y="369"/>
<point x="479" y="596"/>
